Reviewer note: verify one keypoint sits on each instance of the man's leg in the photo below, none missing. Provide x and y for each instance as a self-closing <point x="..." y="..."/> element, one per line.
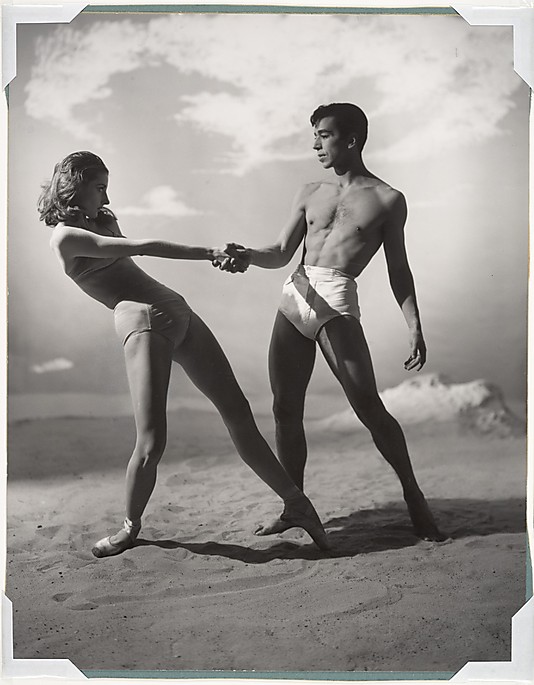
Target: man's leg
<point x="291" y="360"/>
<point x="343" y="344"/>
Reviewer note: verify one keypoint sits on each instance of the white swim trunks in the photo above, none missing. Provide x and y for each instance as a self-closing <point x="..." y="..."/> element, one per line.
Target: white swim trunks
<point x="314" y="295"/>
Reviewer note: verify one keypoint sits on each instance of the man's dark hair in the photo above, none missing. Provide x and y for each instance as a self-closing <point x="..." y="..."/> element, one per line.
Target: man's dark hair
<point x="349" y="119"/>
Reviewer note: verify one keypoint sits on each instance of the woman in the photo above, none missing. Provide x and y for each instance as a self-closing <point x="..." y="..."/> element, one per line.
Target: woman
<point x="156" y="326"/>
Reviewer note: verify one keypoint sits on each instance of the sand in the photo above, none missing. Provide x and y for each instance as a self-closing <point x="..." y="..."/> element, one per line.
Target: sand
<point x="200" y="592"/>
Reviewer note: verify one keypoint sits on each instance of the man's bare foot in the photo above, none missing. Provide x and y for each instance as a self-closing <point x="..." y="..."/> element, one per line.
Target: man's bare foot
<point x="425" y="527"/>
<point x="298" y="513"/>
<point x="278" y="525"/>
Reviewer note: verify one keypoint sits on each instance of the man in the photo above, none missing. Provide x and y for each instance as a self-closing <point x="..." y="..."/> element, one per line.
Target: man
<point x="343" y="223"/>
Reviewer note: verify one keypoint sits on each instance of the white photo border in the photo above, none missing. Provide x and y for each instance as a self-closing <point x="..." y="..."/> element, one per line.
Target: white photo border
<point x="504" y="13"/>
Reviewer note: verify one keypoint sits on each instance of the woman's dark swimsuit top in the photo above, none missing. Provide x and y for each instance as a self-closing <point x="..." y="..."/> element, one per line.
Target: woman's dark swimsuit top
<point x="111" y="280"/>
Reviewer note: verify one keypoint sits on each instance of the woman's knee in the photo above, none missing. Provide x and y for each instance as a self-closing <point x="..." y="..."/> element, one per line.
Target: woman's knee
<point x="149" y="448"/>
<point x="235" y="409"/>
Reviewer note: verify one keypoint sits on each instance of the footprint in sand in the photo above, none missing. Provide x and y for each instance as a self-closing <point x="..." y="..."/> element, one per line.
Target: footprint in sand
<point x="128" y="563"/>
<point x="178" y="554"/>
<point x="48" y="531"/>
<point x="234" y="535"/>
<point x="48" y="567"/>
<point x="84" y="607"/>
<point x="175" y="508"/>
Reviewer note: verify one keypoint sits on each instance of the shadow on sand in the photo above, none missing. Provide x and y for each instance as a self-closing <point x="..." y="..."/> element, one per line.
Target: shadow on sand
<point x="375" y="530"/>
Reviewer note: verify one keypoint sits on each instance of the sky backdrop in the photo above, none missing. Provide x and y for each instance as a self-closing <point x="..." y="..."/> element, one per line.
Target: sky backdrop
<point x="203" y="122"/>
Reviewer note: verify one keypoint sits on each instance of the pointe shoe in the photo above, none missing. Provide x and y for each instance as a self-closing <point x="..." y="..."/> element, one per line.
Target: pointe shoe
<point x="107" y="548"/>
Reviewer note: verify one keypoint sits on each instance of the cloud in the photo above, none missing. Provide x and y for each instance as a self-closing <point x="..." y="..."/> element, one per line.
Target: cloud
<point x="435" y="81"/>
<point x="52" y="366"/>
<point x="445" y="196"/>
<point x="75" y="67"/>
<point x="160" y="201"/>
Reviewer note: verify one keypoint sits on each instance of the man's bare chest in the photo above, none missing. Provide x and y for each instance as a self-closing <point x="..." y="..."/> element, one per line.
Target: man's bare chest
<point x="359" y="214"/>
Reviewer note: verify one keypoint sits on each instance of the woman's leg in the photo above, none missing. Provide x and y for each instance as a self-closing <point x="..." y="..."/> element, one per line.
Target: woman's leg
<point x="205" y="363"/>
<point x="148" y="357"/>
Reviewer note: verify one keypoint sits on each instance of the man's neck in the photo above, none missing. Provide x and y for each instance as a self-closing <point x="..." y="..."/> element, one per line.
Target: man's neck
<point x="353" y="173"/>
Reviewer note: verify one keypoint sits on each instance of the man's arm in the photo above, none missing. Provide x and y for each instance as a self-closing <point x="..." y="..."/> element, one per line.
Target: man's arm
<point x="78" y="242"/>
<point x="281" y="252"/>
<point x="402" y="282"/>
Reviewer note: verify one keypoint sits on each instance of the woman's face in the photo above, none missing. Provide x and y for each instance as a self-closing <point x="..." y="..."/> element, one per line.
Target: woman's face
<point x="92" y="195"/>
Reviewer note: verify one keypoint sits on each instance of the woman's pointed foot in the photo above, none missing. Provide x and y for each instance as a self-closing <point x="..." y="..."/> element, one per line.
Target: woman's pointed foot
<point x="298" y="512"/>
<point x="112" y="545"/>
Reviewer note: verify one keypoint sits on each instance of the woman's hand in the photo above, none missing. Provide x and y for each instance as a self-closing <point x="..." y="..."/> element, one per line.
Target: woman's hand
<point x="232" y="257"/>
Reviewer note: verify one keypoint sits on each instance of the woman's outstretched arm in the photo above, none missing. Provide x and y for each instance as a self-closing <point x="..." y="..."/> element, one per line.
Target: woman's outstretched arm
<point x="70" y="241"/>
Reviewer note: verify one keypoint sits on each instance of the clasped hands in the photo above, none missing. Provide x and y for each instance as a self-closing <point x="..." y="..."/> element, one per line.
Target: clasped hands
<point x="232" y="257"/>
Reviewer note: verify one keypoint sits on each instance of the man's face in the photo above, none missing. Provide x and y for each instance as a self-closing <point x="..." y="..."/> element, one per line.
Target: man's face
<point x="331" y="147"/>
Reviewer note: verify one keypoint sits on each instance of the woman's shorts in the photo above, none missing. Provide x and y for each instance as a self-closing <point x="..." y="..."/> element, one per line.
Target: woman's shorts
<point x="169" y="318"/>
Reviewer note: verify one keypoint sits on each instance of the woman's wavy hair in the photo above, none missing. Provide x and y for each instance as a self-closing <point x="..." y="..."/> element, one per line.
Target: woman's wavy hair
<point x="57" y="199"/>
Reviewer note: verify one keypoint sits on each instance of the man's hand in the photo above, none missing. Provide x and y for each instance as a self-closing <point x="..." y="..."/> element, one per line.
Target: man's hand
<point x="417" y="358"/>
<point x="233" y="258"/>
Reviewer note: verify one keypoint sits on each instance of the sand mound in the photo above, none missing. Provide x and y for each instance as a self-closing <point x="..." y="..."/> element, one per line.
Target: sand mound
<point x="476" y="406"/>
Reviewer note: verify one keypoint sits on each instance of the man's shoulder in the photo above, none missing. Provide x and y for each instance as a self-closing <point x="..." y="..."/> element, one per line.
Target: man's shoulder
<point x="312" y="186"/>
<point x="387" y="191"/>
<point x="394" y="206"/>
<point x="390" y="197"/>
<point x="308" y="189"/>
